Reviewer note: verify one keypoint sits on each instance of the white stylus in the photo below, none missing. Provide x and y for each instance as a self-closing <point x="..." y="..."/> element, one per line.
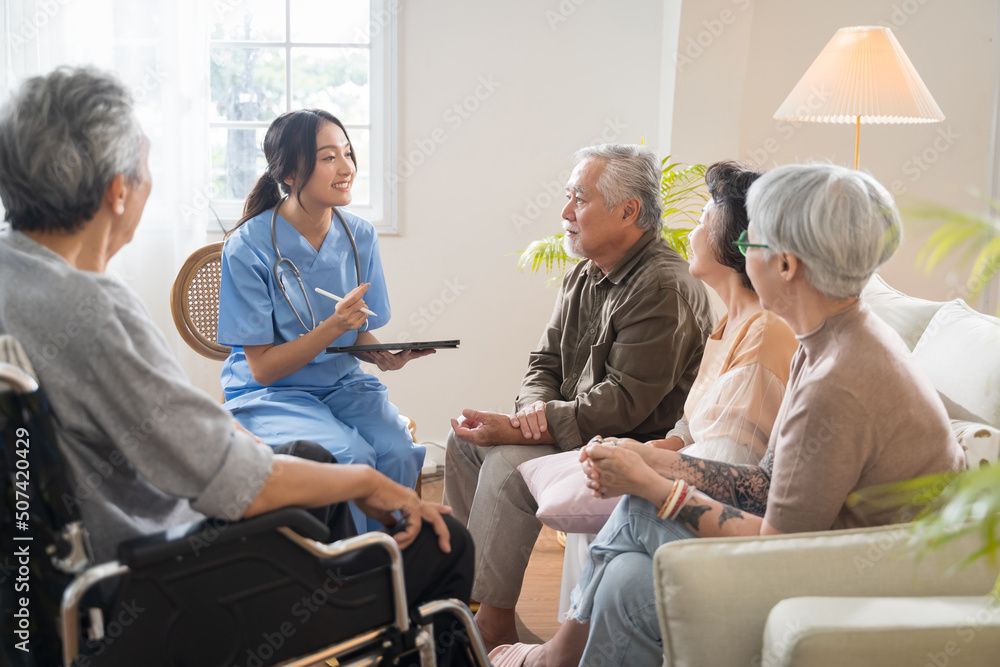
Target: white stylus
<point x="340" y="298"/>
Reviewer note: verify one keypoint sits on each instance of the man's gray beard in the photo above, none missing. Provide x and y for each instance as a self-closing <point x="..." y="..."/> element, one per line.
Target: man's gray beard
<point x="566" y="241"/>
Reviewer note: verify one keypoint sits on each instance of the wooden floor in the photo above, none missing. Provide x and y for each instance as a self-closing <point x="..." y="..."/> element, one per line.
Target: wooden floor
<point x="539" y="603"/>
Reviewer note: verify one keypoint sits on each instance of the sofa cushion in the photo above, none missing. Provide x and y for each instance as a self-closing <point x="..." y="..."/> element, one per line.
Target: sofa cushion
<point x="960" y="352"/>
<point x="907" y="315"/>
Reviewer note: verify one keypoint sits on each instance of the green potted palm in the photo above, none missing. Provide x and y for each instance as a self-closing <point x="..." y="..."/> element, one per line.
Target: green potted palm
<point x="684" y="194"/>
<point x="964" y="236"/>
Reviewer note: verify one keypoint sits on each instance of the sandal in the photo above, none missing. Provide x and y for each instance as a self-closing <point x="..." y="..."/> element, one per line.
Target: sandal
<point x="511" y="655"/>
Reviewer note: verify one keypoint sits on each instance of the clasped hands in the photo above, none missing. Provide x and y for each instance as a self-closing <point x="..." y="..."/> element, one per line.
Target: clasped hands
<point x="618" y="466"/>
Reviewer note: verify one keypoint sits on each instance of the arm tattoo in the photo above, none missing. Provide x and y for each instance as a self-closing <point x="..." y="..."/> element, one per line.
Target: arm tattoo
<point x="744" y="487"/>
<point x="729" y="513"/>
<point x="691" y="514"/>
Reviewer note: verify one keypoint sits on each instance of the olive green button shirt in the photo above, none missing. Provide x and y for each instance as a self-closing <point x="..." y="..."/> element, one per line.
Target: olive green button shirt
<point x="622" y="350"/>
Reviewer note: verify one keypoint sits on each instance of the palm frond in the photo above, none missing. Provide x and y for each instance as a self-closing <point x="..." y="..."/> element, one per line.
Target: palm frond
<point x="677" y="238"/>
<point x="945" y="240"/>
<point x="683" y="190"/>
<point x="986" y="266"/>
<point x="961" y="232"/>
<point x="547" y="252"/>
<point x="944" y="508"/>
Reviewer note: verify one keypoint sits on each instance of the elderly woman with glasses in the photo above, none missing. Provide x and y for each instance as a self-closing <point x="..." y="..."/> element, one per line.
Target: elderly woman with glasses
<point x="857" y="413"/>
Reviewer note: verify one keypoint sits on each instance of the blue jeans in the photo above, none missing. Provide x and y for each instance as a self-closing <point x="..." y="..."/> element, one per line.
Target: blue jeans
<point x="616" y="595"/>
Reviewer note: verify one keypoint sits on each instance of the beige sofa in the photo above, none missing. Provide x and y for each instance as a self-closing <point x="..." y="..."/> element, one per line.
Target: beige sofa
<point x="853" y="597"/>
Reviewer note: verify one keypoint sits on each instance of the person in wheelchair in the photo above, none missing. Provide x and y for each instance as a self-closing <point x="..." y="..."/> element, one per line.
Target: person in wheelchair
<point x="145" y="450"/>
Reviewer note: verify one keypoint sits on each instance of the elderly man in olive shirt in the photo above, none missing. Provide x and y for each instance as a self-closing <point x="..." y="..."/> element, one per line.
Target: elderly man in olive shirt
<point x="618" y="357"/>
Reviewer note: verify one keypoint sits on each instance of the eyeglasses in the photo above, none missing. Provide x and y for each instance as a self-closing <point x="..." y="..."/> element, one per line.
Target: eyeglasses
<point x="743" y="244"/>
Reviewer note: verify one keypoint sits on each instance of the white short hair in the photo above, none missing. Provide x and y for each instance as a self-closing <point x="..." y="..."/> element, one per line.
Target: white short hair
<point x="630" y="172"/>
<point x="842" y="223"/>
<point x="63" y="139"/>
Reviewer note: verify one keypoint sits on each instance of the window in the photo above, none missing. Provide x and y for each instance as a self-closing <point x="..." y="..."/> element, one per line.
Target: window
<point x="271" y="56"/>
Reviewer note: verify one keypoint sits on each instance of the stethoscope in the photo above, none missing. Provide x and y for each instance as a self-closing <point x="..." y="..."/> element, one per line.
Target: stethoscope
<point x="295" y="270"/>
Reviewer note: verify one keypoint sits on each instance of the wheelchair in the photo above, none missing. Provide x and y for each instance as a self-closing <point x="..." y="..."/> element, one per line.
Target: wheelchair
<point x="257" y="592"/>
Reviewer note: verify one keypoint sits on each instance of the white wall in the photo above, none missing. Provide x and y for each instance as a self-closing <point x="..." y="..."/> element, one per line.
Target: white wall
<point x="566" y="72"/>
<point x="729" y="91"/>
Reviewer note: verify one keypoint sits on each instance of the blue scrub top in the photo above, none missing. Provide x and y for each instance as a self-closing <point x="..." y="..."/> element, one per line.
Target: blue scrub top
<point x="253" y="311"/>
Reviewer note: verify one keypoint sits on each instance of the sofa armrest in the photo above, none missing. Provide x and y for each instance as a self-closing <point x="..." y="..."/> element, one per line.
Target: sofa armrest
<point x="833" y="631"/>
<point x="713" y="595"/>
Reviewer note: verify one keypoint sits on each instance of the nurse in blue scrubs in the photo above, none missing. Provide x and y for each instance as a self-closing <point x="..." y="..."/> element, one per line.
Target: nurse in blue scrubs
<point x="295" y="236"/>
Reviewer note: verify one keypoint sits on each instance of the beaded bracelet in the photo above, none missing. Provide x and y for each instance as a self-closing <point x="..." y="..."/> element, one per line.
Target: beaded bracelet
<point x="682" y="501"/>
<point x="669" y="502"/>
<point x="679" y="496"/>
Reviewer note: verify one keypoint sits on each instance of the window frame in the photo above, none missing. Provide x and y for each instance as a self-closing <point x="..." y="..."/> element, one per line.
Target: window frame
<point x="382" y="209"/>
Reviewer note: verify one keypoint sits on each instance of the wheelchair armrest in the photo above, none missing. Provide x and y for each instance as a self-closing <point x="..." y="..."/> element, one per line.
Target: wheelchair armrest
<point x="191" y="538"/>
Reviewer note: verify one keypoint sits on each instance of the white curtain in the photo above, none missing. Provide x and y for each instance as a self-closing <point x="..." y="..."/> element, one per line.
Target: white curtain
<point x="159" y="48"/>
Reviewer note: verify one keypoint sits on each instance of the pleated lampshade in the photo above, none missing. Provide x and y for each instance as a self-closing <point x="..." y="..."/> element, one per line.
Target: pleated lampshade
<point x="862" y="71"/>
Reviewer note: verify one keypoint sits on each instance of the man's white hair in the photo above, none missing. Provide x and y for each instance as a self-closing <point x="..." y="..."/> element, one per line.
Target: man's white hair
<point x="630" y="172"/>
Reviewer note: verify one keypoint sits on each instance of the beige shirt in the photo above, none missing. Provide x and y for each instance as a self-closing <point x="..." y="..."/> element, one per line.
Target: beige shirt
<point x="858" y="412"/>
<point x="621" y="350"/>
<point x="731" y="409"/>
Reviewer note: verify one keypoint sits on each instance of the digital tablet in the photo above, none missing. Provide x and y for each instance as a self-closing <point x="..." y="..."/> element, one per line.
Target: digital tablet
<point x="415" y="345"/>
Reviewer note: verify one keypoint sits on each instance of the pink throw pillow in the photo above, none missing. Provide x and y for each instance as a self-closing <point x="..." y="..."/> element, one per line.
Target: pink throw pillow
<point x="564" y="502"/>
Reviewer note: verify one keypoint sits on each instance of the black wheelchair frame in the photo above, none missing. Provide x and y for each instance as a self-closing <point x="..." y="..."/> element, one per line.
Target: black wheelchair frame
<point x="206" y="592"/>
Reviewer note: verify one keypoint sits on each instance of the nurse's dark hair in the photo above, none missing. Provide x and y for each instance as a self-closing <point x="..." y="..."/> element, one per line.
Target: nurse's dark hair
<point x="728" y="184"/>
<point x="290" y="150"/>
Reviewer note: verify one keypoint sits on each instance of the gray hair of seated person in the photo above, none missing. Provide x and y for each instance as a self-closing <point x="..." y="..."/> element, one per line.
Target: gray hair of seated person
<point x="630" y="172"/>
<point x="841" y="223"/>
<point x="63" y="139"/>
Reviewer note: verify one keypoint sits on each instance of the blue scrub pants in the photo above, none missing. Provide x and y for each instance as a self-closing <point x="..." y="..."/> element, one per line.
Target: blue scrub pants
<point x="354" y="421"/>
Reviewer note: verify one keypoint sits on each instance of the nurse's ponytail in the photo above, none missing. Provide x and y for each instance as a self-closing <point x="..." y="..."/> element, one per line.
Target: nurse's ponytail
<point x="290" y="150"/>
<point x="265" y="195"/>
